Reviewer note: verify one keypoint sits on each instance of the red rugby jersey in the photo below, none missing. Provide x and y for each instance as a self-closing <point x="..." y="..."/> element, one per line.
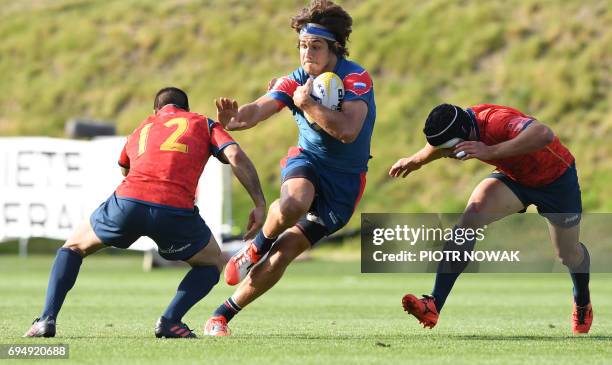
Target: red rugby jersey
<point x="166" y="155"/>
<point x="497" y="124"/>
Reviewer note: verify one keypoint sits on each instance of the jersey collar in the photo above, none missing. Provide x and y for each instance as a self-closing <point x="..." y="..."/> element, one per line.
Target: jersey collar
<point x="474" y="122"/>
<point x="169" y="109"/>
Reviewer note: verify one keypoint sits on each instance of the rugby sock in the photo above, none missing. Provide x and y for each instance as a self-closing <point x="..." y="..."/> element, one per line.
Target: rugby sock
<point x="448" y="272"/>
<point x="263" y="243"/>
<point x="442" y="288"/>
<point x="63" y="275"/>
<point x="580" y="277"/>
<point x="228" y="309"/>
<point x="197" y="283"/>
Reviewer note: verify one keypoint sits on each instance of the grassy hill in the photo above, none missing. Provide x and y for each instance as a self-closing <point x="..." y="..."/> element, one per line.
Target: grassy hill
<point x="106" y="59"/>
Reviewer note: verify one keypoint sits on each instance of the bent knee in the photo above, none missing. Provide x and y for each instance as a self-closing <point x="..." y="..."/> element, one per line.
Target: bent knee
<point x="291" y="208"/>
<point x="474" y="216"/>
<point x="76" y="248"/>
<point x="569" y="259"/>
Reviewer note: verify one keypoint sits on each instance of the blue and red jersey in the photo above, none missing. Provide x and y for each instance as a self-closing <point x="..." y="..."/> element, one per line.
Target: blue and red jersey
<point x="166" y="155"/>
<point x="330" y="152"/>
<point x="497" y="124"/>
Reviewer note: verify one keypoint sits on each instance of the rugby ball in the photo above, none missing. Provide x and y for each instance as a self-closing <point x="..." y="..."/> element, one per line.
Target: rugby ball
<point x="327" y="90"/>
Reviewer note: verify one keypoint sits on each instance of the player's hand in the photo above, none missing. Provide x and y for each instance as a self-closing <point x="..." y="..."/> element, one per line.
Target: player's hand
<point x="256" y="221"/>
<point x="301" y="96"/>
<point x="227" y="112"/>
<point x="403" y="167"/>
<point x="467" y="150"/>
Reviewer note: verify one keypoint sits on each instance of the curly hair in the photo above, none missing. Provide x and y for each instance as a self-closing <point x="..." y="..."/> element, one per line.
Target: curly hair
<point x="332" y="17"/>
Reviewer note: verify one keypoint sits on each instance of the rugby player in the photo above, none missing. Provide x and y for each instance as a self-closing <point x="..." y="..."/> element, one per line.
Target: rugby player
<point x="323" y="178"/>
<point x="162" y="161"/>
<point x="533" y="167"/>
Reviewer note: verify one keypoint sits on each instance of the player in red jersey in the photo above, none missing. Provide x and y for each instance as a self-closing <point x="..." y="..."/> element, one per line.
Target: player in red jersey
<point x="162" y="161"/>
<point x="533" y="168"/>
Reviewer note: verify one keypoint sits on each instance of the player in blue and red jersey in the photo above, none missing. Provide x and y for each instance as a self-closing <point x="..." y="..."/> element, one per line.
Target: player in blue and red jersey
<point x="533" y="167"/>
<point x="162" y="162"/>
<point x="323" y="178"/>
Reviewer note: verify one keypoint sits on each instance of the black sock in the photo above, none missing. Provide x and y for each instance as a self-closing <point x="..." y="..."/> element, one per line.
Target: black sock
<point x="442" y="288"/>
<point x="448" y="272"/>
<point x="196" y="285"/>
<point x="580" y="277"/>
<point x="263" y="243"/>
<point x="62" y="278"/>
<point x="228" y="309"/>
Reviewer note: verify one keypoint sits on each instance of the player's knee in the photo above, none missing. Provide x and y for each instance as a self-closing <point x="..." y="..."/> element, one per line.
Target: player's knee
<point x="291" y="209"/>
<point x="473" y="216"/>
<point x="76" y="248"/>
<point x="569" y="258"/>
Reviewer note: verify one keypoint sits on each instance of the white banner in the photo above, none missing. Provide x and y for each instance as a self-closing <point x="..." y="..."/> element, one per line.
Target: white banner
<point x="49" y="185"/>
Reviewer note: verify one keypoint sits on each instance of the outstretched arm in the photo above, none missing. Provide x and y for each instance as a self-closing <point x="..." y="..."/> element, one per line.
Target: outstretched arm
<point x="535" y="137"/>
<point x="234" y="118"/>
<point x="425" y="155"/>
<point x="247" y="175"/>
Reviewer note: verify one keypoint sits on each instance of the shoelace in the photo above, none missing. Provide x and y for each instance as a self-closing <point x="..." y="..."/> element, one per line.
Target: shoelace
<point x="244" y="257"/>
<point x="247" y="256"/>
<point x="427" y="298"/>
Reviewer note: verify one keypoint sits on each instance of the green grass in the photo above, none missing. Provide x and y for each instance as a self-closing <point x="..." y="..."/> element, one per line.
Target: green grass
<point x="106" y="59"/>
<point x="322" y="312"/>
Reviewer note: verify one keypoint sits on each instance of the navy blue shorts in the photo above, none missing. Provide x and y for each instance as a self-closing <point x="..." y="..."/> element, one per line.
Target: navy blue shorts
<point x="560" y="201"/>
<point x="336" y="193"/>
<point x="178" y="233"/>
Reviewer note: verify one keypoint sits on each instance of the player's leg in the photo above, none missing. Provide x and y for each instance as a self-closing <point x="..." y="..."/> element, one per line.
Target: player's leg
<point x="337" y="196"/>
<point x="260" y="279"/>
<point x="206" y="266"/>
<point x="297" y="195"/>
<point x="575" y="256"/>
<point x="266" y="274"/>
<point x="490" y="201"/>
<point x="64" y="272"/>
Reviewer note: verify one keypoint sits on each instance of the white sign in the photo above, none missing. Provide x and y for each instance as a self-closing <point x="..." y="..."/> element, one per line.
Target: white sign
<point x="49" y="185"/>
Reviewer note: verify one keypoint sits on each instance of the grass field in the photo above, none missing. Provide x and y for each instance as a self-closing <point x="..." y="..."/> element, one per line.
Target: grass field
<point x="322" y="312"/>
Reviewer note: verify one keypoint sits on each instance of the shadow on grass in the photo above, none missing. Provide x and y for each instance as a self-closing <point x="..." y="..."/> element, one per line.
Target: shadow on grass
<point x="531" y="338"/>
<point x="551" y="338"/>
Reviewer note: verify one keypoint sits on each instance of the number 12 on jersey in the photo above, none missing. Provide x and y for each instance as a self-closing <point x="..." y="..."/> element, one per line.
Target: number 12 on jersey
<point x="170" y="144"/>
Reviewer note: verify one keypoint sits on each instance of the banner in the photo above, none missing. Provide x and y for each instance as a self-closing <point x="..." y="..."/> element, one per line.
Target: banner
<point x="49" y="185"/>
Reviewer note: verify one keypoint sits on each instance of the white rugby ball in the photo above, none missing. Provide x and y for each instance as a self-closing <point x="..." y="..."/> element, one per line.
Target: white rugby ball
<point x="327" y="90"/>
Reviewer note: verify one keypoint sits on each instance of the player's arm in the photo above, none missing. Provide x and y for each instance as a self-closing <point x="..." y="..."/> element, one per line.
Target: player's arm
<point x="234" y="118"/>
<point x="247" y="175"/>
<point x="534" y="137"/>
<point x="425" y="155"/>
<point x="344" y="125"/>
<point x="124" y="161"/>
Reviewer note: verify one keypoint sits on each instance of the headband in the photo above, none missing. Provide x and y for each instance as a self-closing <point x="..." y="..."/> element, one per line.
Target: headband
<point x="317" y="30"/>
<point x="449" y="125"/>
